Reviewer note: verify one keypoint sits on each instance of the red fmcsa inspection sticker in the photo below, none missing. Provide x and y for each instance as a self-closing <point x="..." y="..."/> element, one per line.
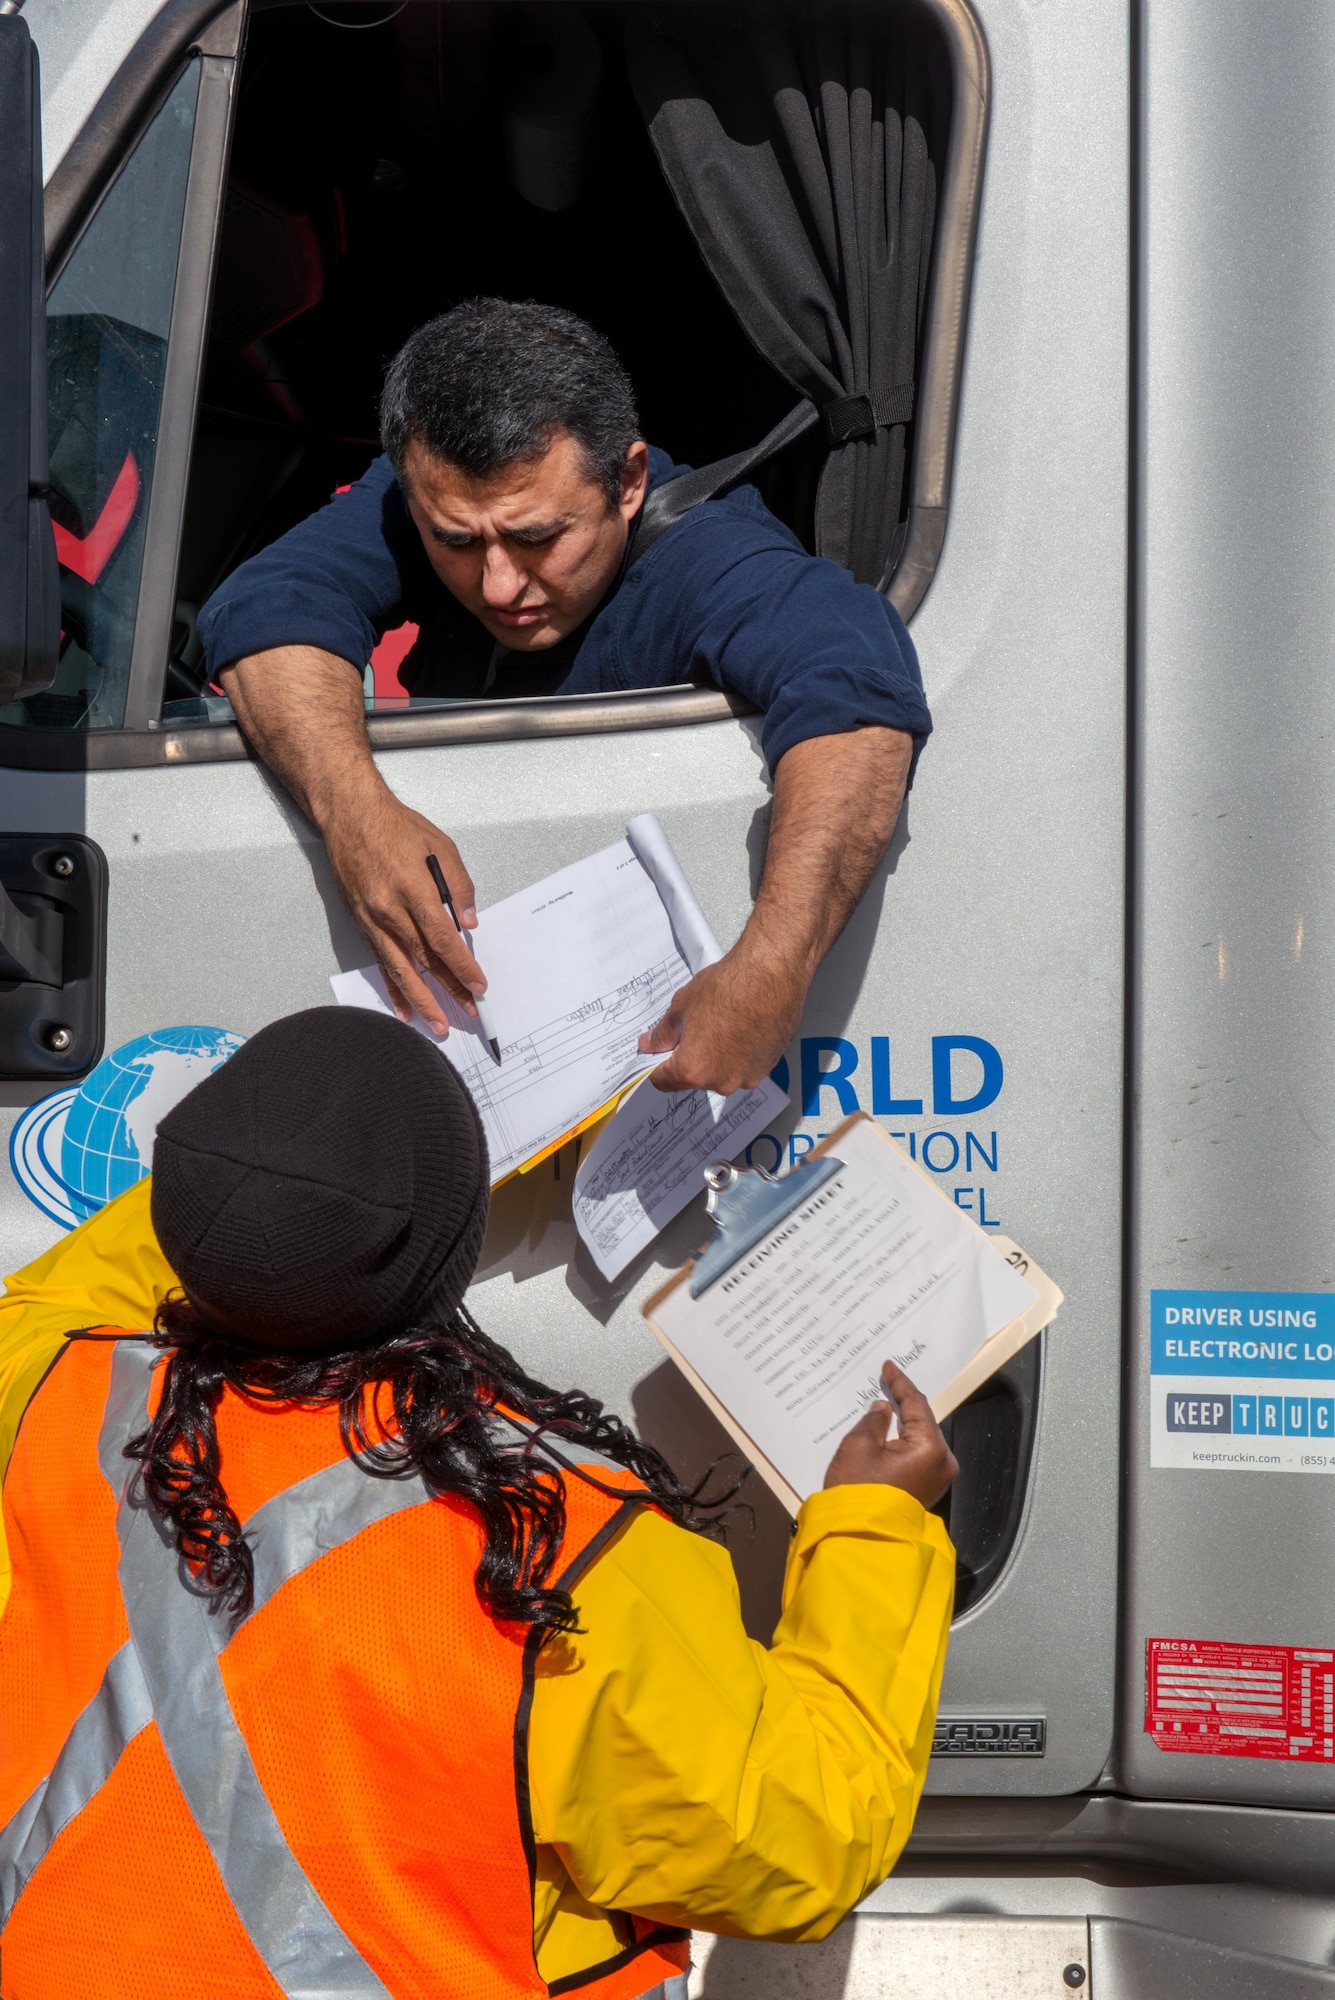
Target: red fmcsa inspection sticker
<point x="1220" y="1700"/>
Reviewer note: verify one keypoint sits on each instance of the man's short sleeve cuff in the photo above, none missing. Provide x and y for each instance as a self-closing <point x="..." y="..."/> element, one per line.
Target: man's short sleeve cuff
<point x="829" y="703"/>
<point x="282" y="615"/>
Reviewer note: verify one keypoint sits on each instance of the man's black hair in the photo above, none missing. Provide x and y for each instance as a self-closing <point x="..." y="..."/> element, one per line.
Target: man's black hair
<point x="492" y="383"/>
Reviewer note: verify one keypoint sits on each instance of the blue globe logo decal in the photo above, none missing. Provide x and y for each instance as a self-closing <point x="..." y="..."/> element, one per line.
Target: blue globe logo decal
<point x="76" y="1150"/>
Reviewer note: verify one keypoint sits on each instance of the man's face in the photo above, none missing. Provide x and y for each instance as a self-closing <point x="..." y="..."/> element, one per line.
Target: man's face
<point x="530" y="550"/>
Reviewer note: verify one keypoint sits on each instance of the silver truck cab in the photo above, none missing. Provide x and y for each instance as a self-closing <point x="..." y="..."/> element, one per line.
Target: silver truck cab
<point x="1090" y="988"/>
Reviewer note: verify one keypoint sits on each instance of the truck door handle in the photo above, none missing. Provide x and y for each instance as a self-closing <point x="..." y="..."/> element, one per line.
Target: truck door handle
<point x="53" y="923"/>
<point x="31" y="938"/>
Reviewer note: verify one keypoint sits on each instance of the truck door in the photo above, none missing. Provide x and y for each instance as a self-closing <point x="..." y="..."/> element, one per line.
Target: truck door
<point x="974" y="1004"/>
<point x="1229" y="1650"/>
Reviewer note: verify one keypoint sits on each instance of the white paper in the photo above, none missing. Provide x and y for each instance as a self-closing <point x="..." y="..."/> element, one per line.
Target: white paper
<point x="645" y="1164"/>
<point x="577" y="967"/>
<point x="873" y="1267"/>
<point x="690" y="927"/>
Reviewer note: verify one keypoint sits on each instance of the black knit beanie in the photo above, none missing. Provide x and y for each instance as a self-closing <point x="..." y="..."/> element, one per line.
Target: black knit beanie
<point x="324" y="1185"/>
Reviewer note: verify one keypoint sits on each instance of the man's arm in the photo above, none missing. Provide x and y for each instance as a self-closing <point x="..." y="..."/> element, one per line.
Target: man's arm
<point x="831" y="667"/>
<point x="836" y="802"/>
<point x="303" y="711"/>
<point x="283" y="636"/>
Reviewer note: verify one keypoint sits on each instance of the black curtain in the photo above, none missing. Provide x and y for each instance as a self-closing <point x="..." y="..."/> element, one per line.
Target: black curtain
<point x="805" y="151"/>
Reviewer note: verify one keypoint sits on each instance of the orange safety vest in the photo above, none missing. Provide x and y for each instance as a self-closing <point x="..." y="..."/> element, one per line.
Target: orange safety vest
<point x="328" y="1801"/>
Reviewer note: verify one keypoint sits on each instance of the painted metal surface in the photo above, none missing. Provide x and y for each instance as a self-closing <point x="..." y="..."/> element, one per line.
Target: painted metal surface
<point x="82" y="44"/>
<point x="1235" y="1916"/>
<point x="1007" y="914"/>
<point x="1234" y="1172"/>
<point x="992" y="1953"/>
<point x="996" y="922"/>
<point x="971" y="1957"/>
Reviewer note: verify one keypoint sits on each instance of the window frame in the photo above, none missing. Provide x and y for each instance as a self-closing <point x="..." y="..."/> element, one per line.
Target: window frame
<point x="218" y="54"/>
<point x="184" y="29"/>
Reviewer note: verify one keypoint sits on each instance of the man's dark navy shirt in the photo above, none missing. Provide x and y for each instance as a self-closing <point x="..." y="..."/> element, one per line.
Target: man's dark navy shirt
<point x="728" y="596"/>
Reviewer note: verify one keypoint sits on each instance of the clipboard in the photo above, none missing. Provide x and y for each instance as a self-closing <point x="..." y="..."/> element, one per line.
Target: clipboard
<point x="747" y="1205"/>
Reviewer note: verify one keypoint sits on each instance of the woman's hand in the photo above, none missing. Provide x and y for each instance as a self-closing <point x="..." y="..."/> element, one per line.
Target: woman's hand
<point x="918" y="1460"/>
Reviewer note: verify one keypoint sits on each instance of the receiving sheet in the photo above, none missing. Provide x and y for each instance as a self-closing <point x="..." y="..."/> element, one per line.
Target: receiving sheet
<point x="867" y="1264"/>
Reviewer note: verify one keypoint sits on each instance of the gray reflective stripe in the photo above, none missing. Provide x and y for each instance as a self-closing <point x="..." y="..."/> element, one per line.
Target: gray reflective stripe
<point x="675" y="1988"/>
<point x="114" y="1717"/>
<point x="319" y="1513"/>
<point x="122" y="1706"/>
<point x="173" y="1633"/>
<point x="126" y="1410"/>
<point x="329" y="1507"/>
<point x="168" y="1673"/>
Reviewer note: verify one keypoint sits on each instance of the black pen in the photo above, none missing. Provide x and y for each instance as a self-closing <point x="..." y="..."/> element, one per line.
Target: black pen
<point x="485" y="1021"/>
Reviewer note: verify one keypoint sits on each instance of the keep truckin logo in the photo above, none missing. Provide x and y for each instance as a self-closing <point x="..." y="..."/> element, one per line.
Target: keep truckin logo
<point x="1222" y="1413"/>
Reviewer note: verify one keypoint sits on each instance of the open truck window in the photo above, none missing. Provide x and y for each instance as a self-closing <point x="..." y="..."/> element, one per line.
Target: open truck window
<point x="756" y="210"/>
<point x="108" y="321"/>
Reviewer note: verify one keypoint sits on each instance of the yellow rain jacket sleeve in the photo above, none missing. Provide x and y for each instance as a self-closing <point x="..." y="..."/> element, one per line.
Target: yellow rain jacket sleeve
<point x="677" y="1769"/>
<point x="682" y="1771"/>
<point x="108" y="1272"/>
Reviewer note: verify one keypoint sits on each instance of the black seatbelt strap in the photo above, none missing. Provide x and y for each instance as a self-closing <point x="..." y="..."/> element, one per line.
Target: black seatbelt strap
<point x="847" y="418"/>
<point x="668" y="503"/>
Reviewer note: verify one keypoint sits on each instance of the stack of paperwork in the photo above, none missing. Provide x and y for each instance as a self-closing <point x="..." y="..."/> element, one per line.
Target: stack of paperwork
<point x="577" y="968"/>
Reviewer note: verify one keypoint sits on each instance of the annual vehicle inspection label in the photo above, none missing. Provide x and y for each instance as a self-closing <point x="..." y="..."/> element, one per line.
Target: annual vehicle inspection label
<point x="1222" y="1700"/>
<point x="1242" y="1381"/>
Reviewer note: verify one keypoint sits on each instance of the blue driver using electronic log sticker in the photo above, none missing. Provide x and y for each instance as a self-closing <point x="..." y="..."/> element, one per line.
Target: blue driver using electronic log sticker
<point x="1242" y="1381"/>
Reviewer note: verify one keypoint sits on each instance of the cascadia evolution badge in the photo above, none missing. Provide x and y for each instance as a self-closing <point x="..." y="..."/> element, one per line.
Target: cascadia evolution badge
<point x="990" y="1736"/>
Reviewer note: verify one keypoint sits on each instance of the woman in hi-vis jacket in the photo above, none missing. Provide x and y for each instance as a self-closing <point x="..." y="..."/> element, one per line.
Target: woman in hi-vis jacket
<point x="339" y="1657"/>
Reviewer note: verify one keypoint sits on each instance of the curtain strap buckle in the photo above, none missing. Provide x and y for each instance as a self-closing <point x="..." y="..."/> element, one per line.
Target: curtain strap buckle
<point x="849" y="418"/>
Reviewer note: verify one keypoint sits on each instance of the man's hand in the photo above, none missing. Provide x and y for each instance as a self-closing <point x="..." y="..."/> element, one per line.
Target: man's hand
<point x="303" y="711"/>
<point x="836" y="801"/>
<point x="377" y="850"/>
<point x="729" y="1025"/>
<point x="919" y="1460"/>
